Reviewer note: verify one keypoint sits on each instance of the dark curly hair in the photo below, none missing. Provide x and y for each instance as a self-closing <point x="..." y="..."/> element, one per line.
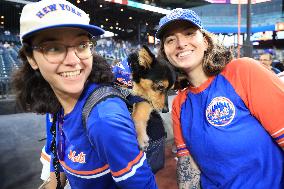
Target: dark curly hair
<point x="33" y="91"/>
<point x="216" y="57"/>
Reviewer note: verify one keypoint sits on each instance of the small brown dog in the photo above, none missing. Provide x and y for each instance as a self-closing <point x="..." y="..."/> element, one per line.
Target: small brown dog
<point x="151" y="79"/>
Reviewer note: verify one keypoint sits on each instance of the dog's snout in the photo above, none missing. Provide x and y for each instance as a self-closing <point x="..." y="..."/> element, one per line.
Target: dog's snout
<point x="166" y="104"/>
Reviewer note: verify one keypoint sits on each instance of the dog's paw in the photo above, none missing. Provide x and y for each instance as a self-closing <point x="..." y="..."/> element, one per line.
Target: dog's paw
<point x="143" y="141"/>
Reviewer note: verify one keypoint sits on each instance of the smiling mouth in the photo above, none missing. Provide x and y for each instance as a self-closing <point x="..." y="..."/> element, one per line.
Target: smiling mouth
<point x="70" y="74"/>
<point x="183" y="54"/>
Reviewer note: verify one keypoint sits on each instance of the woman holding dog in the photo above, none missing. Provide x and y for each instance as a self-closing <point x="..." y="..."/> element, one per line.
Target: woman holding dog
<point x="60" y="70"/>
<point x="228" y="123"/>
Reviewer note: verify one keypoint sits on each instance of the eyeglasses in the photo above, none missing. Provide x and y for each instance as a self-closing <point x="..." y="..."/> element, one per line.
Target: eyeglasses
<point x="55" y="52"/>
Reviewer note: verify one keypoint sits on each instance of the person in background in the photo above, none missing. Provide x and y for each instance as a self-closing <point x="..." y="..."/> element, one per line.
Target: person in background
<point x="281" y="76"/>
<point x="228" y="122"/>
<point x="279" y="65"/>
<point x="59" y="73"/>
<point x="266" y="60"/>
<point x="114" y="63"/>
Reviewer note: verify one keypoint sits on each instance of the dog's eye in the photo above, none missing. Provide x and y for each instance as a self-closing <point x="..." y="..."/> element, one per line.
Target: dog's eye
<point x="159" y="87"/>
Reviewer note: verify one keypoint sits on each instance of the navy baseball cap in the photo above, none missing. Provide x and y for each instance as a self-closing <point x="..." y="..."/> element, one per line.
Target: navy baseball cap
<point x="178" y="14"/>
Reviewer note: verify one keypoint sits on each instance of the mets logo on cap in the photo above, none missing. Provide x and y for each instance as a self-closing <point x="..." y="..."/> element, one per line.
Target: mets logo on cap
<point x="220" y="112"/>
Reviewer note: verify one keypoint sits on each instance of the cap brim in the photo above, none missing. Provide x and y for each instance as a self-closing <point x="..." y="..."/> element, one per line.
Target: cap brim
<point x="164" y="27"/>
<point x="92" y="29"/>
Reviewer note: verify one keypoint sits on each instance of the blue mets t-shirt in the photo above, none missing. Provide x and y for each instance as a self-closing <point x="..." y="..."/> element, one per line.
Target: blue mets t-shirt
<point x="107" y="155"/>
<point x="233" y="127"/>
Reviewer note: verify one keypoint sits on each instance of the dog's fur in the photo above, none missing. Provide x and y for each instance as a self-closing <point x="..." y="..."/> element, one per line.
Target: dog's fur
<point x="151" y="78"/>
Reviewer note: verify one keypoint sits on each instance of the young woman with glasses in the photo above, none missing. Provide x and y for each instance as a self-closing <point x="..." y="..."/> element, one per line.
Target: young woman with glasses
<point x="60" y="70"/>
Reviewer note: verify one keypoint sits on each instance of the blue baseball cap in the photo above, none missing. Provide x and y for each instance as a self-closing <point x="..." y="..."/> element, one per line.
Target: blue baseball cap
<point x="175" y="15"/>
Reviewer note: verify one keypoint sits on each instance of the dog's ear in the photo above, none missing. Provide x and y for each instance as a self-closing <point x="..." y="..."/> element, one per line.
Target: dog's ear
<point x="146" y="57"/>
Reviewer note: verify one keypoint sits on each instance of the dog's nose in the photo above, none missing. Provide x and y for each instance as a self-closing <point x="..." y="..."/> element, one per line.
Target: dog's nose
<point x="166" y="106"/>
<point x="165" y="109"/>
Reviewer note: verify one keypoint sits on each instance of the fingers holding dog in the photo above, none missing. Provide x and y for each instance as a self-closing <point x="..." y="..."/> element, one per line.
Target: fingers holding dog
<point x="141" y="114"/>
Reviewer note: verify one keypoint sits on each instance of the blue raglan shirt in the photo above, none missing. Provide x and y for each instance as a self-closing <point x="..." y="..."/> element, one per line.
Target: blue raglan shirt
<point x="108" y="156"/>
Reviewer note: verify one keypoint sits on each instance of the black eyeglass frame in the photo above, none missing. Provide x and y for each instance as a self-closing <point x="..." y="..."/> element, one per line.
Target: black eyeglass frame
<point x="92" y="42"/>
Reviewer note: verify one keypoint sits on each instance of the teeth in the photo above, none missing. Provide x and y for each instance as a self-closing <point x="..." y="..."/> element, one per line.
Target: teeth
<point x="184" y="54"/>
<point x="70" y="74"/>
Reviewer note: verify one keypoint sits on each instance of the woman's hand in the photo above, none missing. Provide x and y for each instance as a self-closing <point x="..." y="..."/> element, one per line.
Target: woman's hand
<point x="51" y="183"/>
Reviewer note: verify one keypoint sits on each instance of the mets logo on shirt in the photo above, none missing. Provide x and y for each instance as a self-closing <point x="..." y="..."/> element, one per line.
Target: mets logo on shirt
<point x="220" y="112"/>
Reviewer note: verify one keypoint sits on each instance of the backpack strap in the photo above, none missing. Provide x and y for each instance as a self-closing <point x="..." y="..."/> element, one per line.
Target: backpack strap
<point x="99" y="94"/>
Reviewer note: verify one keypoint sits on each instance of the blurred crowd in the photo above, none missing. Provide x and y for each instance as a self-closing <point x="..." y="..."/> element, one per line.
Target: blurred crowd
<point x="114" y="50"/>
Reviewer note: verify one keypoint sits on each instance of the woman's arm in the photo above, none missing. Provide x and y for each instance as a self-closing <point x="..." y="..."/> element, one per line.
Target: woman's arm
<point x="112" y="132"/>
<point x="266" y="106"/>
<point x="188" y="174"/>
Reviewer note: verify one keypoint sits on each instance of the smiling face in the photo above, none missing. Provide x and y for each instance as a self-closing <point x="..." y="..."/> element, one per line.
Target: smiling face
<point x="266" y="59"/>
<point x="67" y="77"/>
<point x="184" y="45"/>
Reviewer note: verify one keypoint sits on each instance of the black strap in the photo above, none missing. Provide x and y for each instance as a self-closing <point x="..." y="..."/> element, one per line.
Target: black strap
<point x="99" y="94"/>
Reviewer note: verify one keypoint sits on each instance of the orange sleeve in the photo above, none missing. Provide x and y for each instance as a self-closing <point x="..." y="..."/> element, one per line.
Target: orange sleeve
<point x="178" y="137"/>
<point x="262" y="92"/>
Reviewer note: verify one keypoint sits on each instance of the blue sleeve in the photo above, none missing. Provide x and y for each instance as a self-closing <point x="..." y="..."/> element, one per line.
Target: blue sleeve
<point x="49" y="119"/>
<point x="112" y="132"/>
<point x="48" y="124"/>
